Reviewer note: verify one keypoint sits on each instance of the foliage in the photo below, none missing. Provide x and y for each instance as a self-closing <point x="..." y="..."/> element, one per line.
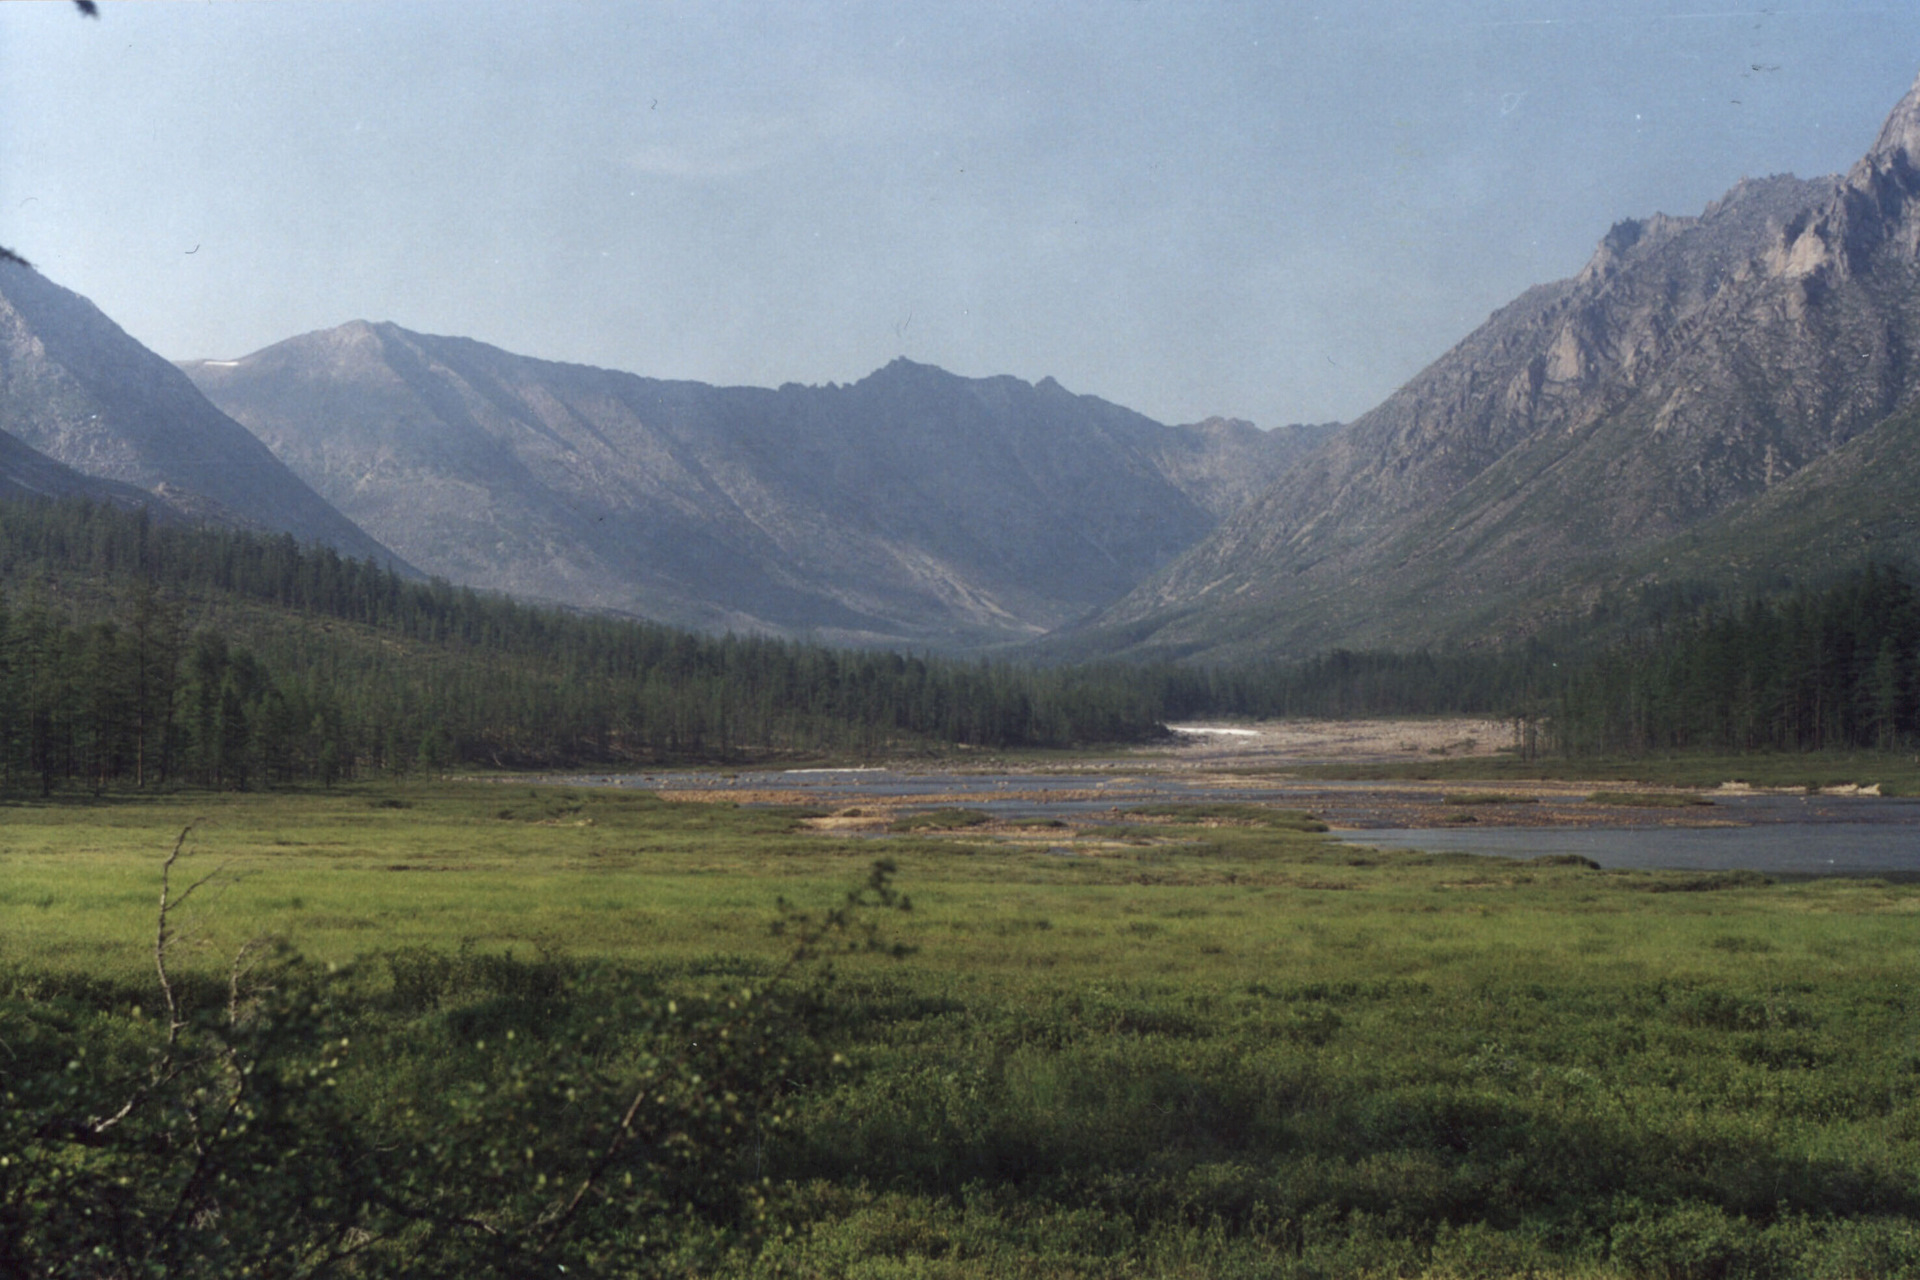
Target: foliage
<point x="1344" y="684"/>
<point x="140" y="653"/>
<point x="941" y="820"/>
<point x="475" y="1115"/>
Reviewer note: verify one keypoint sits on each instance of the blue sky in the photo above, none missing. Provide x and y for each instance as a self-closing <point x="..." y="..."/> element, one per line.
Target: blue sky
<point x="1273" y="211"/>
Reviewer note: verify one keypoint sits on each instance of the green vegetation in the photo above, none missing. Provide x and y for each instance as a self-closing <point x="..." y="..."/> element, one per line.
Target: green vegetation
<point x="1487" y="797"/>
<point x="136" y="654"/>
<point x="1814" y="670"/>
<point x="1343" y="684"/>
<point x="1650" y="799"/>
<point x="1193" y="1047"/>
<point x="142" y="654"/>
<point x="1250" y="815"/>
<point x="942" y="820"/>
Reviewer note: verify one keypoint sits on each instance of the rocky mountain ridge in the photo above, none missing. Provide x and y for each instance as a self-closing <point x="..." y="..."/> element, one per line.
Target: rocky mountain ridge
<point x="27" y="473"/>
<point x="1693" y="364"/>
<point x="122" y="424"/>
<point x="913" y="506"/>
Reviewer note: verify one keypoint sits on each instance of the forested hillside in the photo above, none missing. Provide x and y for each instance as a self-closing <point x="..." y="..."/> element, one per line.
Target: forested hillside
<point x="138" y="653"/>
<point x="1814" y="670"/>
<point x="143" y="653"/>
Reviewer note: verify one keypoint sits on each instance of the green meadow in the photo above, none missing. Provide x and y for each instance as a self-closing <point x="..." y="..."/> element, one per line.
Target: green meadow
<point x="1196" y="1042"/>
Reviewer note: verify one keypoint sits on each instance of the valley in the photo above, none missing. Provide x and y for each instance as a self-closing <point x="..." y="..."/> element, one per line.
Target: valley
<point x="471" y="814"/>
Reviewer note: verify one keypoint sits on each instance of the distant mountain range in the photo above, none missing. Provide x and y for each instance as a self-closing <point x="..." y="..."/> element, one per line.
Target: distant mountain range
<point x="1730" y="400"/>
<point x="910" y="507"/>
<point x="1711" y="398"/>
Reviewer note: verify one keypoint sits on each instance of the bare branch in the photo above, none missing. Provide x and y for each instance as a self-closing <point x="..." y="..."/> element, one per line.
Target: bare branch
<point x="163" y="938"/>
<point x="163" y="935"/>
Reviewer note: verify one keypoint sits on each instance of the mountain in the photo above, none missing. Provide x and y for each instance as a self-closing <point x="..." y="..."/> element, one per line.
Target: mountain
<point x="1855" y="506"/>
<point x="1225" y="463"/>
<point x="75" y="388"/>
<point x="1694" y="365"/>
<point x="28" y="473"/>
<point x="913" y="506"/>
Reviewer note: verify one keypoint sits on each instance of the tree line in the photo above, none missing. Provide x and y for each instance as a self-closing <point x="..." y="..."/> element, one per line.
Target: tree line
<point x="137" y="651"/>
<point x="1815" y="669"/>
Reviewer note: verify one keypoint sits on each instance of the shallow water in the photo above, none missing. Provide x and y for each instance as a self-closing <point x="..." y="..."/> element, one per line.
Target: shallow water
<point x="1777" y="834"/>
<point x="1785" y="848"/>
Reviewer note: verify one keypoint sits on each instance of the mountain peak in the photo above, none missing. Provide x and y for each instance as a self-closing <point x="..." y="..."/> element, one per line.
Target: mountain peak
<point x="1692" y="367"/>
<point x="1899" y="138"/>
<point x="914" y="507"/>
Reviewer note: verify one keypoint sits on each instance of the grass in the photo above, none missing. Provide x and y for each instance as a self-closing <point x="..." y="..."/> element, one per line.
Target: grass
<point x="942" y="820"/>
<point x="1207" y="1042"/>
<point x="1651" y="799"/>
<point x="1248" y="815"/>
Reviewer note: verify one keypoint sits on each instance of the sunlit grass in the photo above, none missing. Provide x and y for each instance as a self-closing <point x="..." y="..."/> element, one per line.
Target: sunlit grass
<point x="1463" y="1065"/>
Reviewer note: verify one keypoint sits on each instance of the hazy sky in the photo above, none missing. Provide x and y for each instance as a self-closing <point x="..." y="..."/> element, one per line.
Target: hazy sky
<point x="1275" y="211"/>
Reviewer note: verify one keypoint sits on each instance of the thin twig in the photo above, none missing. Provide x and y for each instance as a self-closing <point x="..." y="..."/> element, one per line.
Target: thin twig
<point x="164" y="937"/>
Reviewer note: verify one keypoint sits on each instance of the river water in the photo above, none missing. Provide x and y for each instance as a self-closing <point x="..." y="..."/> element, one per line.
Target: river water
<point x="1829" y="849"/>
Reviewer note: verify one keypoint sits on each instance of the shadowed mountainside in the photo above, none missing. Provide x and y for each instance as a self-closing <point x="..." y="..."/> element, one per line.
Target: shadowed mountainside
<point x="77" y="389"/>
<point x="27" y="473"/>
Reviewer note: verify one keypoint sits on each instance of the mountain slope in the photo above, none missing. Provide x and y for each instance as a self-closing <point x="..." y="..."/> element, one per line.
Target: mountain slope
<point x="911" y="506"/>
<point x="76" y="388"/>
<point x="1858" y="505"/>
<point x="1691" y="366"/>
<point x="27" y="473"/>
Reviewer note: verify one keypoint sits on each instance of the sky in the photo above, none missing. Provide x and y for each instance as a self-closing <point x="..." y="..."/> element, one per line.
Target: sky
<point x="1274" y="211"/>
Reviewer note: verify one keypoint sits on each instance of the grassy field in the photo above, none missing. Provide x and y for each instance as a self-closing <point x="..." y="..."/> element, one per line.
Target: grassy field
<point x="1206" y="1043"/>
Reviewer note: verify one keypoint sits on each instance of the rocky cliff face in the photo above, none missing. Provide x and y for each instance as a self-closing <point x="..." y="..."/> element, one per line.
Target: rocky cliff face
<point x="913" y="506"/>
<point x="1691" y="366"/>
<point x="76" y="388"/>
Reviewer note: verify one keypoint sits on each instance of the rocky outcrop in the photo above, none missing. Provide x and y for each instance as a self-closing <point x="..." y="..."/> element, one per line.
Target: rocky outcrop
<point x="1693" y="364"/>
<point x="77" y="389"/>
<point x="911" y="507"/>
